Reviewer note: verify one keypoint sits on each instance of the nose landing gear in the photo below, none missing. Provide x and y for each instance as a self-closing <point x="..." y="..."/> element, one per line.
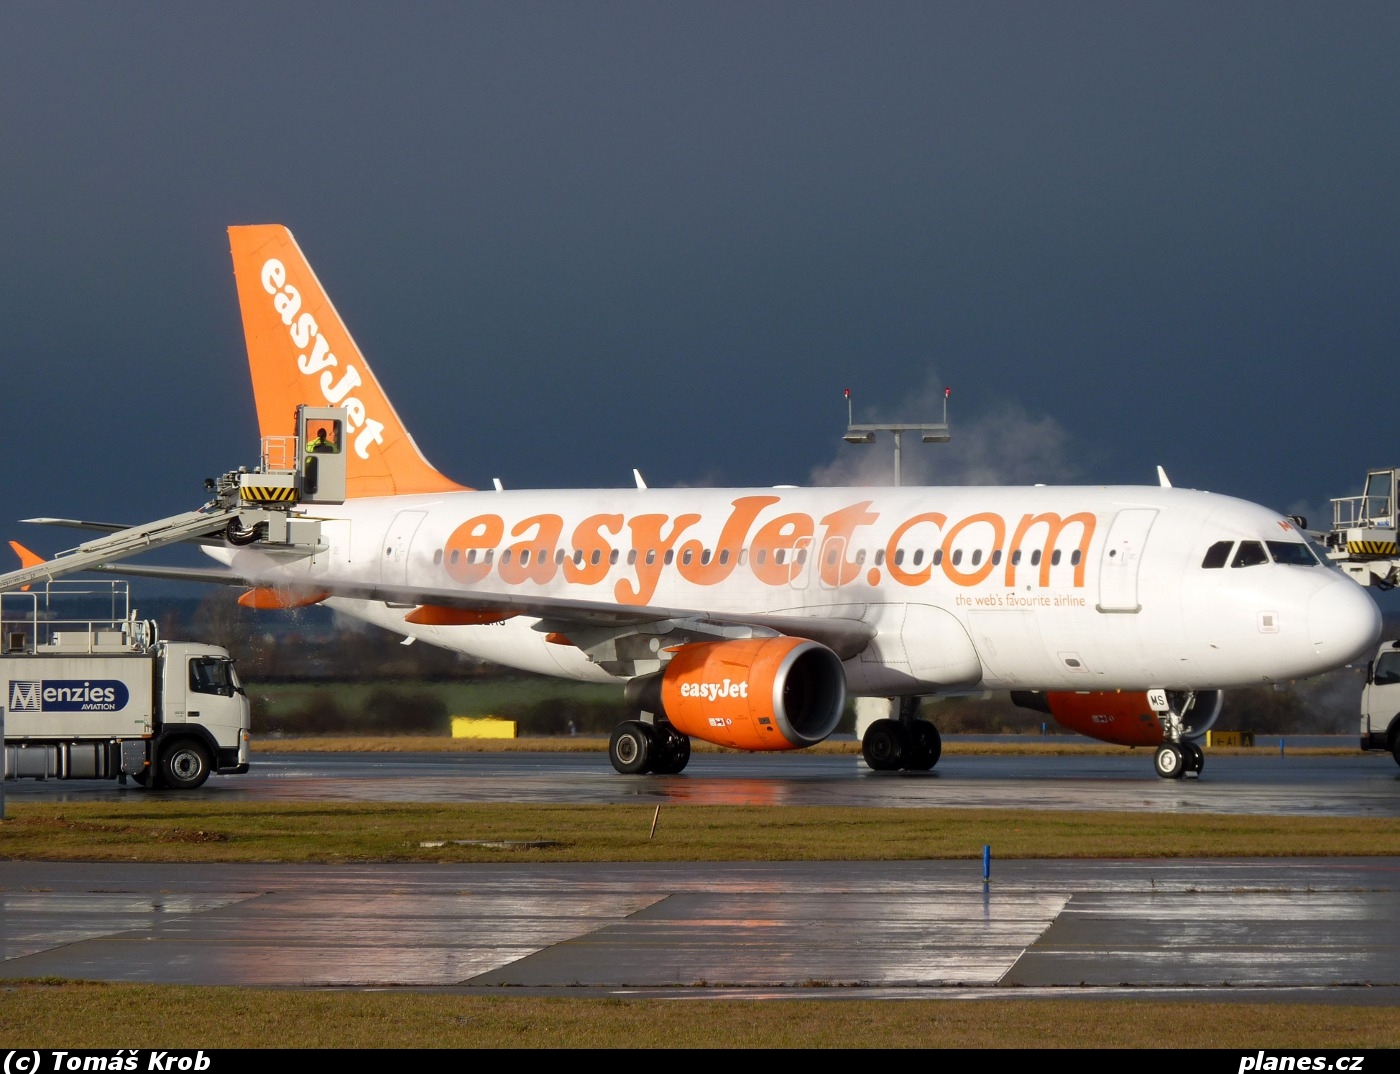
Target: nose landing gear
<point x="1178" y="756"/>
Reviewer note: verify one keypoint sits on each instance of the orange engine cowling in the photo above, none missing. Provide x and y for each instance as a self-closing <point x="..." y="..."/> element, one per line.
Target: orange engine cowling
<point x="753" y="694"/>
<point x="1121" y="717"/>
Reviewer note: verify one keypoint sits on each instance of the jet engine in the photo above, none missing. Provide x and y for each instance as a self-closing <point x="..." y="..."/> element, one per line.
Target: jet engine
<point x="752" y="694"/>
<point x="1122" y="717"/>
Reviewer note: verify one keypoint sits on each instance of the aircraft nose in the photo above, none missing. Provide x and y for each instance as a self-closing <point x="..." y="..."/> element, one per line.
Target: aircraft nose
<point x="1344" y="623"/>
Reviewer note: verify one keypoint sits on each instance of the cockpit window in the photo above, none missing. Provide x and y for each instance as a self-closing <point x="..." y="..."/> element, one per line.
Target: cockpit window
<point x="1217" y="554"/>
<point x="1250" y="554"/>
<point x="1295" y="552"/>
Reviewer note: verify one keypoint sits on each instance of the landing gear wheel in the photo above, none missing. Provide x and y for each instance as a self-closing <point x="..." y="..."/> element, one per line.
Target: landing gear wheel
<point x="631" y="748"/>
<point x="884" y="745"/>
<point x="1170" y="762"/>
<point x="1193" y="756"/>
<point x="672" y="752"/>
<point x="184" y="765"/>
<point x="925" y="746"/>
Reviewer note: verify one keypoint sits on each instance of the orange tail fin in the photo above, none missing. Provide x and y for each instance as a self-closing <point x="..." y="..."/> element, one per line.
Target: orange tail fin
<point x="299" y="351"/>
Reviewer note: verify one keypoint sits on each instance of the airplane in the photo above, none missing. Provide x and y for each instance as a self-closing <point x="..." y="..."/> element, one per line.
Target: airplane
<point x="745" y="617"/>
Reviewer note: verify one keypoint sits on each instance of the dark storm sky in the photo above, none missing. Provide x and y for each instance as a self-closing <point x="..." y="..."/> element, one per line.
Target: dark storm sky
<point x="575" y="238"/>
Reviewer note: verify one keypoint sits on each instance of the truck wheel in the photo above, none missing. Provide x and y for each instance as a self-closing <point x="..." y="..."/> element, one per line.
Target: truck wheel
<point x="1395" y="750"/>
<point x="184" y="765"/>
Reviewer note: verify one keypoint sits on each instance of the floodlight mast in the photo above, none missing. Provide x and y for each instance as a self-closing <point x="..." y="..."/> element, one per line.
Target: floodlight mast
<point x="931" y="432"/>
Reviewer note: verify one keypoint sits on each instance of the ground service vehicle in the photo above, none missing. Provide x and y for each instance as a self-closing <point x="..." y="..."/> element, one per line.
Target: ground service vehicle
<point x="103" y="698"/>
<point x="1380" y="701"/>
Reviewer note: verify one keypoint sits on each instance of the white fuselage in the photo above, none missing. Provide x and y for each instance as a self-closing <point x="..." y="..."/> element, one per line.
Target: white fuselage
<point x="1057" y="588"/>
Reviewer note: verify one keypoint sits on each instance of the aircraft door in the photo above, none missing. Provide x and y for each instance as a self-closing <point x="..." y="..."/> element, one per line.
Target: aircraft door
<point x="1122" y="555"/>
<point x="393" y="564"/>
<point x="799" y="567"/>
<point x="832" y="557"/>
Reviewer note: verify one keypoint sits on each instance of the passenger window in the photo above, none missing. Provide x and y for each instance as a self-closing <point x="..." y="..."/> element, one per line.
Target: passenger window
<point x="879" y="557"/>
<point x="918" y="556"/>
<point x="1035" y="558"/>
<point x="597" y="556"/>
<point x="612" y="557"/>
<point x="1250" y="554"/>
<point x="1217" y="554"/>
<point x="976" y="556"/>
<point x="937" y="556"/>
<point x="1055" y="558"/>
<point x="1074" y="557"/>
<point x="996" y="557"/>
<point x="723" y="556"/>
<point x="957" y="556"/>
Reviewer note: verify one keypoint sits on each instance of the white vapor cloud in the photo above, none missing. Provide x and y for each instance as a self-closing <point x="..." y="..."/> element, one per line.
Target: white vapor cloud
<point x="1003" y="446"/>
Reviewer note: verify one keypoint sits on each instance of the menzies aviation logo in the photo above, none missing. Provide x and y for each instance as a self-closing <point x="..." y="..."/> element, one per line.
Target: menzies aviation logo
<point x="68" y="695"/>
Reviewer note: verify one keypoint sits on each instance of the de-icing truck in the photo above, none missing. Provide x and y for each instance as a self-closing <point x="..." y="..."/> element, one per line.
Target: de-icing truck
<point x="104" y="698"/>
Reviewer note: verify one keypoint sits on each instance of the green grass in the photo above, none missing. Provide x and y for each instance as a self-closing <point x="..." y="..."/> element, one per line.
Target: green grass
<point x="146" y="829"/>
<point x="66" y="1015"/>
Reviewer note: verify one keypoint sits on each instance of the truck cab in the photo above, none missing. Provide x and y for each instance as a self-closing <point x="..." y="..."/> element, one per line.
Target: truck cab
<point x="1380" y="701"/>
<point x="204" y="714"/>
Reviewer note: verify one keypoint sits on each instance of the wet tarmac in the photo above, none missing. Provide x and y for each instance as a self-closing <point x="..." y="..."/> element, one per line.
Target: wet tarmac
<point x="1313" y="930"/>
<point x="1266" y="782"/>
<point x="1310" y="930"/>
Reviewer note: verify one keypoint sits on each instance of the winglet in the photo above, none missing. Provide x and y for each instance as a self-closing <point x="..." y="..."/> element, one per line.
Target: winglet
<point x="1162" y="478"/>
<point x="300" y="352"/>
<point x="26" y="559"/>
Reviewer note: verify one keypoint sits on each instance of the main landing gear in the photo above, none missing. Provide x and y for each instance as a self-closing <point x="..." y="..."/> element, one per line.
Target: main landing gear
<point x="637" y="747"/>
<point x="905" y="742"/>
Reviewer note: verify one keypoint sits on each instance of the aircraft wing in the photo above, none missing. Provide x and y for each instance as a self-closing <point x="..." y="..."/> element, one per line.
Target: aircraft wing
<point x="846" y="636"/>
